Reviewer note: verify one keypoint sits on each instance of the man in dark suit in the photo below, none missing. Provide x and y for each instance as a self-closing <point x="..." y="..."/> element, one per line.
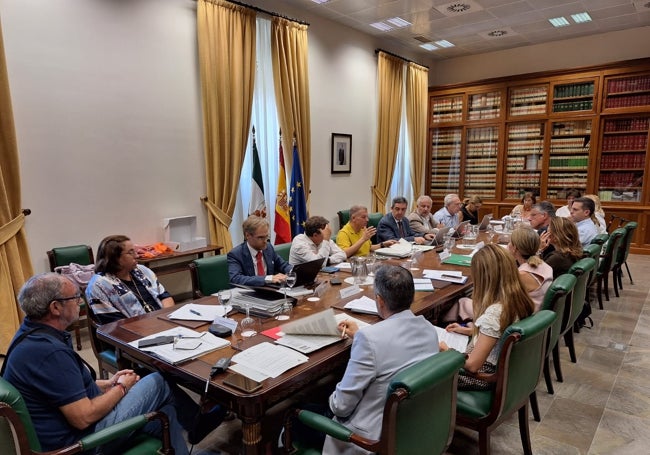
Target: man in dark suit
<point x="395" y="225"/>
<point x="255" y="262"/>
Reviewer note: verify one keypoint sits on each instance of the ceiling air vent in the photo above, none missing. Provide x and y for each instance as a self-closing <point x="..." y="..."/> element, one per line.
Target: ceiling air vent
<point x="458" y="7"/>
<point x="497" y="33"/>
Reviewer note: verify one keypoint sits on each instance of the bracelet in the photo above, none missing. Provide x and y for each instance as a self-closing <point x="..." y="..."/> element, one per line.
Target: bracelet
<point x="122" y="386"/>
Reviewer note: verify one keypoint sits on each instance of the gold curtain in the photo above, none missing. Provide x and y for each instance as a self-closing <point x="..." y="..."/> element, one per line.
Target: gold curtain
<point x="226" y="44"/>
<point x="417" y="78"/>
<point x="15" y="264"/>
<point x="390" y="81"/>
<point x="291" y="80"/>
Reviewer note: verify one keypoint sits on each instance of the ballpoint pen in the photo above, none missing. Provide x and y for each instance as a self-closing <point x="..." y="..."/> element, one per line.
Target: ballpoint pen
<point x="343" y="330"/>
<point x="195" y="312"/>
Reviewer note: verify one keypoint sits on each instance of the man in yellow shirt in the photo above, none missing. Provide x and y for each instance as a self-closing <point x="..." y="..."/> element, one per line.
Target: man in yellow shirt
<point x="354" y="237"/>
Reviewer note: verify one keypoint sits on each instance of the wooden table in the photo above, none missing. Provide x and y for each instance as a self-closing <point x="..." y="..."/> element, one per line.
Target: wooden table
<point x="251" y="407"/>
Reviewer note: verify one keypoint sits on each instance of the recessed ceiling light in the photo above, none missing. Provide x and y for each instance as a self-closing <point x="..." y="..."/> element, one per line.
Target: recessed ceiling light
<point x="444" y="43"/>
<point x="581" y="18"/>
<point x="559" y="22"/>
<point x="398" y="22"/>
<point x="428" y="46"/>
<point x="382" y="26"/>
<point x="320" y="1"/>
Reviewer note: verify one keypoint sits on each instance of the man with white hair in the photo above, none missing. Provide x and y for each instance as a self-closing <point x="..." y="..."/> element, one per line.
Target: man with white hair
<point x="448" y="215"/>
<point x="421" y="220"/>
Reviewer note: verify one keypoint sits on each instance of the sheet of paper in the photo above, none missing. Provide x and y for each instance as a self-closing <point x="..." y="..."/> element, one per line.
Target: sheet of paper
<point x="423" y="284"/>
<point x="344" y="266"/>
<point x="340" y="317"/>
<point x="308" y="343"/>
<point x="270" y="359"/>
<point x="196" y="312"/>
<point x="452" y="276"/>
<point x="248" y="372"/>
<point x="299" y="291"/>
<point x="167" y="352"/>
<point x="454" y="340"/>
<point x="362" y="305"/>
<point x="321" y="323"/>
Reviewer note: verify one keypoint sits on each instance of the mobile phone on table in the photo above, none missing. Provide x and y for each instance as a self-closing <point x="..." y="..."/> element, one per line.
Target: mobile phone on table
<point x="242" y="383"/>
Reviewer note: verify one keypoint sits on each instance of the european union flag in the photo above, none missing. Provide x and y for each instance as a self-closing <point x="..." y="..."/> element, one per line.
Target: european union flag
<point x="297" y="201"/>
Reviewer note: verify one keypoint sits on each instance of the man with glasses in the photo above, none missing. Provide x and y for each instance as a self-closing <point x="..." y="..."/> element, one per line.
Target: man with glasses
<point x="540" y="216"/>
<point x="421" y="220"/>
<point x="255" y="261"/>
<point x="64" y="400"/>
<point x="449" y="214"/>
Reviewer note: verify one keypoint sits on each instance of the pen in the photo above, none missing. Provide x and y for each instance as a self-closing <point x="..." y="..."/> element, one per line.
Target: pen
<point x="450" y="276"/>
<point x="343" y="330"/>
<point x="195" y="312"/>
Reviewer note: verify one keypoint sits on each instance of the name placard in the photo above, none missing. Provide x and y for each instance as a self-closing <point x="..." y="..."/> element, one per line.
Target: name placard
<point x="350" y="291"/>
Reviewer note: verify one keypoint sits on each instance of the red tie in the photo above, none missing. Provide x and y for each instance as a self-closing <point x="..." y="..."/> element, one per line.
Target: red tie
<point x="260" y="264"/>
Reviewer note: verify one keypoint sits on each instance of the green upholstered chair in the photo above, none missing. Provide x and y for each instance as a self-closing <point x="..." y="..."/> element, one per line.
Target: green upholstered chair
<point x="283" y="250"/>
<point x="344" y="217"/>
<point x="79" y="254"/>
<point x="418" y="416"/>
<point x="582" y="270"/>
<point x="600" y="239"/>
<point x="623" y="253"/>
<point x="209" y="275"/>
<point x="373" y="220"/>
<point x="607" y="260"/>
<point x="592" y="251"/>
<point x="523" y="348"/>
<point x="17" y="435"/>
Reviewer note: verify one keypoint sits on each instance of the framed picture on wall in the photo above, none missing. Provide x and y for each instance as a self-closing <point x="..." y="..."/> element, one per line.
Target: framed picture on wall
<point x="341" y="153"/>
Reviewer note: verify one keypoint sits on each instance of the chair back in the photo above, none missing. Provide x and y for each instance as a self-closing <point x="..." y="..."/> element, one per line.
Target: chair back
<point x="79" y="254"/>
<point x="592" y="251"/>
<point x="373" y="220"/>
<point x="609" y="254"/>
<point x="420" y="412"/>
<point x="600" y="239"/>
<point x="209" y="275"/>
<point x="283" y="250"/>
<point x="626" y="241"/>
<point x="344" y="217"/>
<point x="520" y="361"/>
<point x="24" y="426"/>
<point x="555" y="300"/>
<point x="582" y="270"/>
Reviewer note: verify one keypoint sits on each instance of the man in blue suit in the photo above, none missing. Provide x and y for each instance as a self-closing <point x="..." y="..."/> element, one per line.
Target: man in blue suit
<point x="255" y="262"/>
<point x="395" y="226"/>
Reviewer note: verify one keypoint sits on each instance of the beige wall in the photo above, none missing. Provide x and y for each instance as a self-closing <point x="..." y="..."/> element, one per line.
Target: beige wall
<point x="571" y="53"/>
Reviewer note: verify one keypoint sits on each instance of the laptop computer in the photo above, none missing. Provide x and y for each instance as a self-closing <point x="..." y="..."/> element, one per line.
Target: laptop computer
<point x="439" y="239"/>
<point x="485" y="222"/>
<point x="305" y="273"/>
<point x="459" y="229"/>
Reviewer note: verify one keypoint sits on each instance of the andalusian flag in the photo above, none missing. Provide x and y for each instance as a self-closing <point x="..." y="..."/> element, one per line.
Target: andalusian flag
<point x="281" y="226"/>
<point x="258" y="205"/>
<point x="297" y="200"/>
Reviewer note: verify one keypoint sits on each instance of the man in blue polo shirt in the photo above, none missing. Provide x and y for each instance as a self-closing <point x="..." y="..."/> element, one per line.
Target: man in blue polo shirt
<point x="63" y="399"/>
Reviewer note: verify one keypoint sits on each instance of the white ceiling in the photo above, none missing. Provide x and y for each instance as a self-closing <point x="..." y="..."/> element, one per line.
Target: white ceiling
<point x="524" y="22"/>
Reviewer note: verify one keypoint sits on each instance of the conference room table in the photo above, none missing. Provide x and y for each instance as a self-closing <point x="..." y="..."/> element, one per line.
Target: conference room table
<point x="251" y="407"/>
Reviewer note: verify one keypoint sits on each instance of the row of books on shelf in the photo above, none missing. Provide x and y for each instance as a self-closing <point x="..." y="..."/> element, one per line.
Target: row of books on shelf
<point x="627" y="124"/>
<point x="528" y="110"/>
<point x="525" y="130"/>
<point x="628" y="84"/>
<point x="627" y="101"/>
<point x="484" y="114"/>
<point x="482" y="134"/>
<point x="447" y="117"/>
<point x="569" y="161"/>
<point x="482" y="150"/>
<point x="579" y="143"/>
<point x="560" y="193"/>
<point x="625" y="142"/>
<point x="528" y="94"/>
<point x="566" y="106"/>
<point x="622" y="196"/>
<point x="571" y="128"/>
<point x="619" y="179"/>
<point x="528" y="180"/>
<point x="621" y="161"/>
<point x="566" y="91"/>
<point x="449" y="135"/>
<point x="567" y="181"/>
<point x="492" y="99"/>
<point x="482" y="162"/>
<point x="480" y="180"/>
<point x="443" y="179"/>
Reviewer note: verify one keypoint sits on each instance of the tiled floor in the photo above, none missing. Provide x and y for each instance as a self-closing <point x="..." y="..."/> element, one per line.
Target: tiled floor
<point x="603" y="405"/>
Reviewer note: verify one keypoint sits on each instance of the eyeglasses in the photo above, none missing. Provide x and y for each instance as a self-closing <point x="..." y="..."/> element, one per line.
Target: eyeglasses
<point x="131" y="253"/>
<point x="76" y="297"/>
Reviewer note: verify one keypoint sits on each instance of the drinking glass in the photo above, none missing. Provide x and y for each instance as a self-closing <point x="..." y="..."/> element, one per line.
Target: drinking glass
<point x="248" y="325"/>
<point x="490" y="232"/>
<point x="290" y="282"/>
<point x="449" y="243"/>
<point x="224" y="297"/>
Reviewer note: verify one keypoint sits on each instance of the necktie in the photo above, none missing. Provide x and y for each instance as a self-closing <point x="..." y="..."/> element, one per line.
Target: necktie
<point x="260" y="264"/>
<point x="401" y="229"/>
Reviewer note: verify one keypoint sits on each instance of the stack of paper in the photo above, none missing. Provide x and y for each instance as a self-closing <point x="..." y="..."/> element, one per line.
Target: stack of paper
<point x="423" y="284"/>
<point x="454" y="340"/>
<point x="264" y="304"/>
<point x="362" y="305"/>
<point x="452" y="276"/>
<point x="196" y="312"/>
<point x="195" y="345"/>
<point x="400" y="249"/>
<point x="266" y="360"/>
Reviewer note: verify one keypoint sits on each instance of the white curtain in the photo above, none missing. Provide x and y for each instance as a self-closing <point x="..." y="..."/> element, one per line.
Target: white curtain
<point x="265" y="121"/>
<point x="401" y="183"/>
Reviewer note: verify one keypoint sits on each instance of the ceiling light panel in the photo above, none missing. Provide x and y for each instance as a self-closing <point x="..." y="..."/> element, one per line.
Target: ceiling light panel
<point x="581" y="18"/>
<point x="444" y="43"/>
<point x="382" y="26"/>
<point x="559" y="22"/>
<point x="398" y="22"/>
<point x="428" y="46"/>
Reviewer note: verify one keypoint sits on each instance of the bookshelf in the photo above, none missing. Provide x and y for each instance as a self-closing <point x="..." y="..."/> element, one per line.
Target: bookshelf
<point x="584" y="128"/>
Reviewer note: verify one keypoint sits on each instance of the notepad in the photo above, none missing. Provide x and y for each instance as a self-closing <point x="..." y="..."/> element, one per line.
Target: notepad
<point x="188" y="338"/>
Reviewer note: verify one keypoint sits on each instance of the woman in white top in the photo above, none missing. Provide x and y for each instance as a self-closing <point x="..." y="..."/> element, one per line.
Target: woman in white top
<point x="536" y="275"/>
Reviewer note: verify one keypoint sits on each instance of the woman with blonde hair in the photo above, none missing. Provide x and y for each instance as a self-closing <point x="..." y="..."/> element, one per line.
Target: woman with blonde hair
<point x="598" y="217"/>
<point x="536" y="275"/>
<point x="561" y="246"/>
<point x="470" y="208"/>
<point x="499" y="300"/>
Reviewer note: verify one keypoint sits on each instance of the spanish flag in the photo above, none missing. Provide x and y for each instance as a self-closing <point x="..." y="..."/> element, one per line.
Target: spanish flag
<point x="281" y="226"/>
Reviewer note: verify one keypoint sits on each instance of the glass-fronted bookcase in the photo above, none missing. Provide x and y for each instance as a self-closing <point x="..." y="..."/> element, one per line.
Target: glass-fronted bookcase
<point x="585" y="129"/>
